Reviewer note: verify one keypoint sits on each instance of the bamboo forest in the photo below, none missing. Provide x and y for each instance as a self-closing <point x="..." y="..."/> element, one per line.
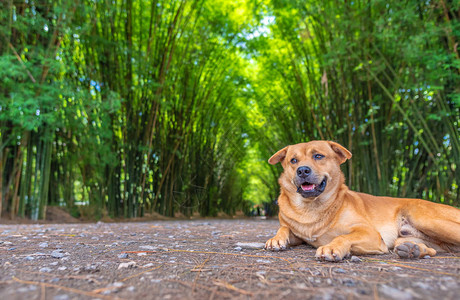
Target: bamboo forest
<point x="122" y="108"/>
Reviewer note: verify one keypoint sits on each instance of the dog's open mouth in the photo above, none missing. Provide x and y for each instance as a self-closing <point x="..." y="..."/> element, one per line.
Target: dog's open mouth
<point x="308" y="189"/>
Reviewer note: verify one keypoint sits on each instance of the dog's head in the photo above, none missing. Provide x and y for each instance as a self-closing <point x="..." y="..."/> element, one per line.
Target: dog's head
<point x="312" y="168"/>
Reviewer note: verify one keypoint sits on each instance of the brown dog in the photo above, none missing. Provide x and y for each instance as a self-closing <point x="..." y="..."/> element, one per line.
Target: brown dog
<point x="318" y="208"/>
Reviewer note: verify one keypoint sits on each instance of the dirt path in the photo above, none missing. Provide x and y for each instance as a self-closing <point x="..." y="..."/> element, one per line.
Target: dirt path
<point x="200" y="260"/>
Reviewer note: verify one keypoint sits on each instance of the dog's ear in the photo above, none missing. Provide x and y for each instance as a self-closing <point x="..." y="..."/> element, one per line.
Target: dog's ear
<point x="278" y="156"/>
<point x="342" y="153"/>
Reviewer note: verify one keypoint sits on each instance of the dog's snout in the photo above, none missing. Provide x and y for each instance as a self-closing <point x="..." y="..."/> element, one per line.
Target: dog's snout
<point x="303" y="171"/>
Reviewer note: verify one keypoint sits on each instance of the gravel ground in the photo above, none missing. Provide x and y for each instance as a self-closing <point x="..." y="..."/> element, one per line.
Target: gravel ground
<point x="200" y="259"/>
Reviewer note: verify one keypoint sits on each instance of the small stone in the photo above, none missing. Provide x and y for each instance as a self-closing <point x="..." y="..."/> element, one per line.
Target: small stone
<point x="62" y="268"/>
<point x="394" y="293"/>
<point x="141" y="254"/>
<point x="127" y="265"/>
<point x="363" y="292"/>
<point x="123" y="255"/>
<point x="61" y="297"/>
<point x="238" y="248"/>
<point x="450" y="283"/>
<point x="423" y="285"/>
<point x="12" y="248"/>
<point x="148" y="265"/>
<point x="349" y="282"/>
<point x="57" y="254"/>
<point x="427" y="256"/>
<point x="54" y="263"/>
<point x="355" y="259"/>
<point x="131" y="289"/>
<point x="251" y="246"/>
<point x="43" y="245"/>
<point x="148" y="247"/>
<point x="92" y="268"/>
<point x="339" y="270"/>
<point x="29" y="258"/>
<point x="45" y="270"/>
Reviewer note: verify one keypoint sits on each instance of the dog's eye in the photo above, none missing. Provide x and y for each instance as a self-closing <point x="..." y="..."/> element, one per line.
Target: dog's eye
<point x="318" y="156"/>
<point x="293" y="161"/>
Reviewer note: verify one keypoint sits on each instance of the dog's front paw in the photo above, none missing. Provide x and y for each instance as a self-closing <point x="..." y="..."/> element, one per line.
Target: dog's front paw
<point x="330" y="253"/>
<point x="276" y="244"/>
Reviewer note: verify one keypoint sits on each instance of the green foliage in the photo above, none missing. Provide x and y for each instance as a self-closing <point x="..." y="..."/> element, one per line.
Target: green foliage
<point x="380" y="77"/>
<point x="126" y="107"/>
<point x="132" y="107"/>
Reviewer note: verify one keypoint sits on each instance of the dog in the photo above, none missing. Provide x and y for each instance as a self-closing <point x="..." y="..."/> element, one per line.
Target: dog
<point x="316" y="207"/>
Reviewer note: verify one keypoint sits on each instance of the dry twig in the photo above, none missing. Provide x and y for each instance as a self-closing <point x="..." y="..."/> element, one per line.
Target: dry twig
<point x="232" y="287"/>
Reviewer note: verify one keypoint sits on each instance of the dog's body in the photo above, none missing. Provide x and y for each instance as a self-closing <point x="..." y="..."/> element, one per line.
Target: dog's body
<point x="318" y="208"/>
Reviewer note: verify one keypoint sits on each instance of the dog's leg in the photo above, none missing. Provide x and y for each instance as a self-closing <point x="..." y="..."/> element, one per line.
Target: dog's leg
<point x="412" y="247"/>
<point x="440" y="222"/>
<point x="359" y="241"/>
<point x="282" y="239"/>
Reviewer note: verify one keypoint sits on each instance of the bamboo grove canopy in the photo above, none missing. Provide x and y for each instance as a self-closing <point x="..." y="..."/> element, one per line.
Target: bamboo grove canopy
<point x="122" y="108"/>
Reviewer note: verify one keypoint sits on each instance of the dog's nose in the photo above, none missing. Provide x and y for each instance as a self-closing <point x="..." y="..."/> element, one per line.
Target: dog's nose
<point x="303" y="171"/>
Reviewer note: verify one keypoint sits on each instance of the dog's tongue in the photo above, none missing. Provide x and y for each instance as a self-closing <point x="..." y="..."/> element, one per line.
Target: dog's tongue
<point x="308" y="187"/>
